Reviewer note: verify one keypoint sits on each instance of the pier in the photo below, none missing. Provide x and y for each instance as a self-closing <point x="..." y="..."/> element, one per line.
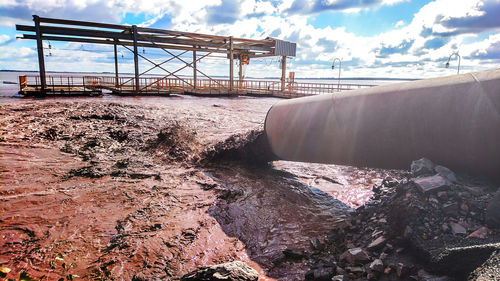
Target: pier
<point x="72" y="85"/>
<point x="131" y="38"/>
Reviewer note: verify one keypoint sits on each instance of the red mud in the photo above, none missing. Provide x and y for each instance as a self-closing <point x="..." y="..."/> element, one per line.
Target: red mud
<point x="114" y="185"/>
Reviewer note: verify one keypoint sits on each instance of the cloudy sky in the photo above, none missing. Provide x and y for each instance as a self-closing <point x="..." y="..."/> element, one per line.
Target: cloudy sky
<point x="374" y="38"/>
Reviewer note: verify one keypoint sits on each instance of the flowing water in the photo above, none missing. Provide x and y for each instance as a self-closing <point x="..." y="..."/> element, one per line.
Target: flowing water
<point x="114" y="184"/>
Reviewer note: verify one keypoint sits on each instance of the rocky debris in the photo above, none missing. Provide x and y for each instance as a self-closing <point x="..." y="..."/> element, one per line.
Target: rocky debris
<point x="445" y="173"/>
<point x="377" y="265"/>
<point x="457" y="229"/>
<point x="481" y="233"/>
<point x="422" y="167"/>
<point x="489" y="270"/>
<point x="322" y="272"/>
<point x="234" y="271"/>
<point x="409" y="229"/>
<point x="402" y="270"/>
<point x="377" y="243"/>
<point x="355" y="256"/>
<point x="431" y="184"/>
<point x="493" y="212"/>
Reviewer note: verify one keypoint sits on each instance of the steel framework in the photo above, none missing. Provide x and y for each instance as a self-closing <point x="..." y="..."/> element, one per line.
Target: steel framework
<point x="133" y="37"/>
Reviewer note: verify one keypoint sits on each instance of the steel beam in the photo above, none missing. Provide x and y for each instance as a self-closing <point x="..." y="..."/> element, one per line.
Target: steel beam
<point x="41" y="61"/>
<point x="136" y="58"/>
<point x="84" y="23"/>
<point x="140" y="37"/>
<point x="231" y="58"/>
<point x="283" y="73"/>
<point x="116" y="64"/>
<point x="194" y="68"/>
<point x="240" y="75"/>
<point x="139" y="44"/>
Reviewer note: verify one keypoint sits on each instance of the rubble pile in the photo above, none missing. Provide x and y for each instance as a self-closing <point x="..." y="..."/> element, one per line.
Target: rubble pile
<point x="430" y="221"/>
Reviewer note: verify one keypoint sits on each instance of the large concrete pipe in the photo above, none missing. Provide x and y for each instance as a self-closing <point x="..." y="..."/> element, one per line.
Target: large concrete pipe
<point x="454" y="121"/>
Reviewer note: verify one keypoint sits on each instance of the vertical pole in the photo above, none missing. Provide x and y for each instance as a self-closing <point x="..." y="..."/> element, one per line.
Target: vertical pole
<point x="194" y="67"/>
<point x="136" y="58"/>
<point x="283" y="73"/>
<point x="39" y="46"/>
<point x="231" y="63"/>
<point x="340" y="68"/>
<point x="240" y="75"/>
<point x="116" y="65"/>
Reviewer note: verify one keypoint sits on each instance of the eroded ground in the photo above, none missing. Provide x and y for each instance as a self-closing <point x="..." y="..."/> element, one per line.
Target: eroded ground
<point x="116" y="186"/>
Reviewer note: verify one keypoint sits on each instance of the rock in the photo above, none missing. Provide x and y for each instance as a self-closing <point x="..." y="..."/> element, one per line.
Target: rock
<point x="235" y="271"/>
<point x="377" y="243"/>
<point x="321" y="273"/>
<point x="355" y="269"/>
<point x="408" y="231"/>
<point x="316" y="244"/>
<point x="431" y="184"/>
<point x="388" y="270"/>
<point x="355" y="256"/>
<point x="445" y="227"/>
<point x="422" y="167"/>
<point x="402" y="270"/>
<point x="493" y="212"/>
<point x="446" y="173"/>
<point x="464" y="207"/>
<point x="442" y="195"/>
<point x="450" y="209"/>
<point x="480" y="233"/>
<point x="377" y="265"/>
<point x="338" y="278"/>
<point x="457" y="229"/>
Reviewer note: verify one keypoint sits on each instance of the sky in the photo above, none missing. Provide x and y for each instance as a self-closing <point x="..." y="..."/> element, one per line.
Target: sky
<point x="373" y="38"/>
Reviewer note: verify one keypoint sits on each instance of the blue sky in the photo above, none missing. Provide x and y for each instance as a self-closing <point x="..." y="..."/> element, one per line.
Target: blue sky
<point x="374" y="38"/>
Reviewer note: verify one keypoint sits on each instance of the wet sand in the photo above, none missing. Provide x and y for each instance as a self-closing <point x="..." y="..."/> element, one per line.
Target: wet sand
<point x="115" y="185"/>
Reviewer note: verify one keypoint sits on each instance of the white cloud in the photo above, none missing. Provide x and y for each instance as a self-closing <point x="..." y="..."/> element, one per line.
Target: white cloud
<point x="416" y="47"/>
<point x="4" y="38"/>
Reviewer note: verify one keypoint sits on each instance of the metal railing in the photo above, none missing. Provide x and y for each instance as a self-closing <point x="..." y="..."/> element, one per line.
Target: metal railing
<point x="151" y="85"/>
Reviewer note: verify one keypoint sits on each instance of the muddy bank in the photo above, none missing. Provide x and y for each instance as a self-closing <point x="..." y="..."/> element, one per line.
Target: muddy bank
<point x="149" y="188"/>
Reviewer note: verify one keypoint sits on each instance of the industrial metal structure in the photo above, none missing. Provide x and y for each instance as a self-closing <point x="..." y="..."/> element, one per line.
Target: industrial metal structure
<point x="134" y="37"/>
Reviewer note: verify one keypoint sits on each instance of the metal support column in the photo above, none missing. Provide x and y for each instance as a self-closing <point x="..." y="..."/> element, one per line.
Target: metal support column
<point x="41" y="61"/>
<point x="231" y="62"/>
<point x="194" y="68"/>
<point x="116" y="65"/>
<point x="240" y="75"/>
<point x="283" y="73"/>
<point x="136" y="59"/>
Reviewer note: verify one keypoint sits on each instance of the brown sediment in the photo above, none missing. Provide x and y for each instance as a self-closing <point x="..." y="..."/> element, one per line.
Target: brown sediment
<point x="154" y="188"/>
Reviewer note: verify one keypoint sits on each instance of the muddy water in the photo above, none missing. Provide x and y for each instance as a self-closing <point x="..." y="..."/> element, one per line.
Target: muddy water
<point x="92" y="179"/>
